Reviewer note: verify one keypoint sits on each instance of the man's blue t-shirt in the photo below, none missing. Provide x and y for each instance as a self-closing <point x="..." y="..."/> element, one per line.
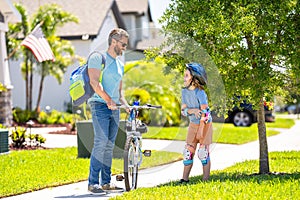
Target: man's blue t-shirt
<point x="112" y="76"/>
<point x="193" y="99"/>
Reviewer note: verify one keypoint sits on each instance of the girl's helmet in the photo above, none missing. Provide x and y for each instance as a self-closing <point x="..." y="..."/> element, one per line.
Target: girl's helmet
<point x="198" y="72"/>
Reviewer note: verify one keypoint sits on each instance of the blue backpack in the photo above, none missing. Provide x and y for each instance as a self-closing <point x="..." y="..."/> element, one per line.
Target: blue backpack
<point x="80" y="89"/>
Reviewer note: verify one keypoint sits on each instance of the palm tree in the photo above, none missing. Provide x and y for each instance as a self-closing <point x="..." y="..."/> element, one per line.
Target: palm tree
<point x="13" y="43"/>
<point x="51" y="16"/>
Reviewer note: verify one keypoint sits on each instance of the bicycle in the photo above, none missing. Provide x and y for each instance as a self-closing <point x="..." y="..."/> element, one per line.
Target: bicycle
<point x="133" y="147"/>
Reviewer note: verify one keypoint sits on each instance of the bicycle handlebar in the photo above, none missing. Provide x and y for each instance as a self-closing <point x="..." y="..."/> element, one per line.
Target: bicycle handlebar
<point x="146" y="106"/>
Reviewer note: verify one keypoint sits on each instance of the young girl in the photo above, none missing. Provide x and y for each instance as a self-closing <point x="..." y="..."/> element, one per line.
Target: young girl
<point x="195" y="106"/>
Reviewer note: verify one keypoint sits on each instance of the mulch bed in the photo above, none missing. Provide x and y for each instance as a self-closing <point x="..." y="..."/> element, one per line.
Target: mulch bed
<point x="37" y="125"/>
<point x="27" y="147"/>
<point x="68" y="130"/>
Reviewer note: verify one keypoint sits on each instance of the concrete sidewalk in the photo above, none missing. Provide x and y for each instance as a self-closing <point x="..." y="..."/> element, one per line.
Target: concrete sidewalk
<point x="222" y="156"/>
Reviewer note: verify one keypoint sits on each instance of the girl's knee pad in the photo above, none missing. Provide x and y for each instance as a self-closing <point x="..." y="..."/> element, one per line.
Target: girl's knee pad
<point x="203" y="155"/>
<point x="187" y="157"/>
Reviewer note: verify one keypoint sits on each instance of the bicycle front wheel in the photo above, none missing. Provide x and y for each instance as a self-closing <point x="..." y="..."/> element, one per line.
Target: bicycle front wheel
<point x="130" y="165"/>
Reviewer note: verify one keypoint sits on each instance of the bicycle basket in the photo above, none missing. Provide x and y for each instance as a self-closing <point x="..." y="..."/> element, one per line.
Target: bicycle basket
<point x="142" y="128"/>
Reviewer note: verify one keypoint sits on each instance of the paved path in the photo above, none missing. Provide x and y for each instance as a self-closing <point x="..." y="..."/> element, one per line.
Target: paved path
<point x="222" y="156"/>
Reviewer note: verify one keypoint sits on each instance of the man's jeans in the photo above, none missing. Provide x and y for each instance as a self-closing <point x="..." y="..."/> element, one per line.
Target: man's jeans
<point x="105" y="122"/>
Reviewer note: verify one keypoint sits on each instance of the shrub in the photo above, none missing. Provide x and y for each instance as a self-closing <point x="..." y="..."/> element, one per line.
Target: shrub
<point x="54" y="117"/>
<point x="39" y="140"/>
<point x="42" y="118"/>
<point x="19" y="136"/>
<point x="22" y="116"/>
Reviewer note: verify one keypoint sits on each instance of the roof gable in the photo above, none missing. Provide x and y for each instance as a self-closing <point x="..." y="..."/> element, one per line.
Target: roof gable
<point x="9" y="11"/>
<point x="138" y="7"/>
<point x="91" y="14"/>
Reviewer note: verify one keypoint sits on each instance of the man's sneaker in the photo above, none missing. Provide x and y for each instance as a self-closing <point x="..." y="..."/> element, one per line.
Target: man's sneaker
<point x="109" y="187"/>
<point x="182" y="181"/>
<point x="96" y="190"/>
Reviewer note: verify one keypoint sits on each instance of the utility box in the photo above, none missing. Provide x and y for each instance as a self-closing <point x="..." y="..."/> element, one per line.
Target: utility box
<point x="85" y="139"/>
<point x="4" y="146"/>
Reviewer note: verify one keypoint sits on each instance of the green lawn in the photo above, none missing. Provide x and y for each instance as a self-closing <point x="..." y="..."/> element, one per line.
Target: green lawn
<point x="25" y="171"/>
<point x="237" y="182"/>
<point x="223" y="132"/>
<point x="281" y="123"/>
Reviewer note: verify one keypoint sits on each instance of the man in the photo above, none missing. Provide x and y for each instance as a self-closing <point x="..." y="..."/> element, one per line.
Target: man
<point x="105" y="115"/>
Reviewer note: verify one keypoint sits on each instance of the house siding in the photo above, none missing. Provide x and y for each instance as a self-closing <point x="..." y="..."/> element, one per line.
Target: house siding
<point x="55" y="95"/>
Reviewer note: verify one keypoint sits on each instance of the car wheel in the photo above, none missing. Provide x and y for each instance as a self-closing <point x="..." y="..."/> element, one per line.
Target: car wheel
<point x="242" y="119"/>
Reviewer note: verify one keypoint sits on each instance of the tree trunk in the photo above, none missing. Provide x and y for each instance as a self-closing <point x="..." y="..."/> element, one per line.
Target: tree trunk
<point x="26" y="83"/>
<point x="30" y="87"/>
<point x="263" y="144"/>
<point x="40" y="93"/>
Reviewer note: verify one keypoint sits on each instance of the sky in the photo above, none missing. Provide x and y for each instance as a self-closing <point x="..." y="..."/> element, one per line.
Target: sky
<point x="157" y="9"/>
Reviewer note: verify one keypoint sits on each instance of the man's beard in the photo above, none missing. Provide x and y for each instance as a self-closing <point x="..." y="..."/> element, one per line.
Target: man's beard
<point x="118" y="51"/>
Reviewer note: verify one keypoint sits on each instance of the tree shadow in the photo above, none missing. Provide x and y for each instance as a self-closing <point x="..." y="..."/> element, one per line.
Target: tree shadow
<point x="239" y="177"/>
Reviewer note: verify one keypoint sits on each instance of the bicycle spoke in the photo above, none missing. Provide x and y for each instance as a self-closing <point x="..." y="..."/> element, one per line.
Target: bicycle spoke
<point x="130" y="166"/>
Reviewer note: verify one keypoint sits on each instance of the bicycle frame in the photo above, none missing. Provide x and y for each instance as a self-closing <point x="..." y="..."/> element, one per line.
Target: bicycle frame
<point x="133" y="154"/>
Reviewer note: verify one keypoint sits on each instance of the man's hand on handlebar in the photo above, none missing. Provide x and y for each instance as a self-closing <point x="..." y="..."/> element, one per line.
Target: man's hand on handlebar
<point x="124" y="106"/>
<point x="147" y="106"/>
<point x="127" y="108"/>
<point x="112" y="105"/>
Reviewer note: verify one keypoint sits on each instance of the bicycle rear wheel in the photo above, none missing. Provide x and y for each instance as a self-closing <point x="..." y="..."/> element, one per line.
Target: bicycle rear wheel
<point x="130" y="165"/>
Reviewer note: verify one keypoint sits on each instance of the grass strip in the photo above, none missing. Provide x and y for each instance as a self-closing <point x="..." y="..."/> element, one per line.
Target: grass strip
<point x="223" y="132"/>
<point x="26" y="171"/>
<point x="240" y="181"/>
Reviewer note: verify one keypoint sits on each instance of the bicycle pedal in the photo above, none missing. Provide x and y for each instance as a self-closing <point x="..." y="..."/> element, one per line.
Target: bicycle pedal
<point x="147" y="153"/>
<point x="120" y="178"/>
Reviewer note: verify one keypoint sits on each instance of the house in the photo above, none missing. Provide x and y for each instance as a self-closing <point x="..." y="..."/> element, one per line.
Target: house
<point x="97" y="18"/>
<point x="137" y="18"/>
<point x="8" y="14"/>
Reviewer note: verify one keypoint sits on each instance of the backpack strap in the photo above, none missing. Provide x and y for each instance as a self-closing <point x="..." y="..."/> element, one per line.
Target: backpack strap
<point x="100" y="78"/>
<point x="102" y="63"/>
<point x="103" y="66"/>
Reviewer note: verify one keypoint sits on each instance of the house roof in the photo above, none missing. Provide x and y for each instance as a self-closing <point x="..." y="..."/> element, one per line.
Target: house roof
<point x="91" y="14"/>
<point x="9" y="11"/>
<point x="138" y="7"/>
<point x="158" y="39"/>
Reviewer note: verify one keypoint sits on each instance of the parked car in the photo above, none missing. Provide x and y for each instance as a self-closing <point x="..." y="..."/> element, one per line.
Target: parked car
<point x="293" y="109"/>
<point x="246" y="115"/>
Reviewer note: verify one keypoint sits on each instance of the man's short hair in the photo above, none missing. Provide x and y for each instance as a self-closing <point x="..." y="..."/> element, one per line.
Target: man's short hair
<point x="117" y="34"/>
